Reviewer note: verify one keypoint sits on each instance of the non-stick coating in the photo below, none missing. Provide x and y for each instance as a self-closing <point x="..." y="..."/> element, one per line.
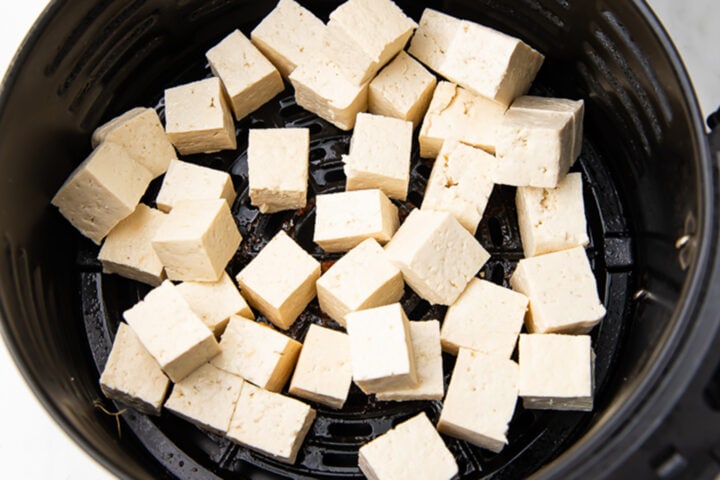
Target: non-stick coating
<point x="645" y="165"/>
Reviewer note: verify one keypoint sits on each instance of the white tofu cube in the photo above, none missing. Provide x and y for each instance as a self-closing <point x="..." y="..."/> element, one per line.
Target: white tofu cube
<point x="556" y="372"/>
<point x="486" y="318"/>
<point x="460" y="183"/>
<point x="403" y="89"/>
<point x="280" y="280"/>
<point x="250" y="80"/>
<point x="574" y="109"/>
<point x="321" y="88"/>
<point x="436" y="255"/>
<point x="215" y="302"/>
<point x="352" y="61"/>
<point x="288" y="35"/>
<point x="412" y="450"/>
<point x="167" y="327"/>
<point x="363" y="278"/>
<point x="457" y="114"/>
<point x="197" y="240"/>
<point x="381" y="352"/>
<point x="278" y="164"/>
<point x="187" y="181"/>
<point x="379" y="157"/>
<point x="257" y="353"/>
<point x="270" y="423"/>
<point x="363" y="35"/>
<point x="323" y="373"/>
<point x="198" y="118"/>
<point x="552" y="219"/>
<point x="102" y="191"/>
<point x="344" y="220"/>
<point x="425" y="339"/>
<point x="562" y="291"/>
<point x="433" y="37"/>
<point x="98" y="136"/>
<point x="206" y="398"/>
<point x="534" y="149"/>
<point x="489" y="384"/>
<point x="483" y="60"/>
<point x="132" y="376"/>
<point x="142" y="134"/>
<point x="128" y="251"/>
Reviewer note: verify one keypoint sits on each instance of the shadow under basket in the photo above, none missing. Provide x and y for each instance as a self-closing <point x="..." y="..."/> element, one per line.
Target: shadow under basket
<point x="650" y="195"/>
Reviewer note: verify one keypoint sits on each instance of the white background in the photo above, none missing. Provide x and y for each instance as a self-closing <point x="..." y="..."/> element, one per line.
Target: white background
<point x="33" y="447"/>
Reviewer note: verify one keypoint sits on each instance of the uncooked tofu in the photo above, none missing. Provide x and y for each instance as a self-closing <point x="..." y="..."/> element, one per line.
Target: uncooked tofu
<point x="207" y="398"/>
<point x="257" y="353"/>
<point x="270" y="423"/>
<point x="437" y="256"/>
<point x="280" y="280"/>
<point x="171" y="332"/>
<point x="480" y="400"/>
<point x="425" y="339"/>
<point x="363" y="278"/>
<point x="132" y="376"/>
<point x="323" y="373"/>
<point x="412" y="450"/>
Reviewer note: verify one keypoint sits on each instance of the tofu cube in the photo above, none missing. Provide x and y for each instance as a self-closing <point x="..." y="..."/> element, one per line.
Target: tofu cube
<point x="102" y="191"/>
<point x="364" y="35"/>
<point x="436" y="255"/>
<point x="128" y="251"/>
<point x="257" y="353"/>
<point x="321" y="88"/>
<point x="250" y="80"/>
<point x="433" y="38"/>
<point x="323" y="373"/>
<point x="381" y="352"/>
<point x="486" y="318"/>
<point x="197" y="240"/>
<point x="132" y="376"/>
<point x="425" y="339"/>
<point x="410" y="451"/>
<point x="288" y="36"/>
<point x="198" y="118"/>
<point x="490" y="384"/>
<point x="562" y="291"/>
<point x="344" y="220"/>
<point x="379" y="157"/>
<point x="187" y="181"/>
<point x="534" y="149"/>
<point x="270" y="423"/>
<point x="457" y="114"/>
<point x="280" y="280"/>
<point x="206" y="398"/>
<point x="172" y="333"/>
<point x="460" y="183"/>
<point x="573" y="109"/>
<point x="403" y="89"/>
<point x="100" y="133"/>
<point x="278" y="164"/>
<point x="215" y="302"/>
<point x="363" y="278"/>
<point x="552" y="219"/>
<point x="483" y="60"/>
<point x="142" y="134"/>
<point x="556" y="372"/>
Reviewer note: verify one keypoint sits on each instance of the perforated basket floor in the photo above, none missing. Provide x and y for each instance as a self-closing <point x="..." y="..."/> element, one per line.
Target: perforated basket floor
<point x="330" y="449"/>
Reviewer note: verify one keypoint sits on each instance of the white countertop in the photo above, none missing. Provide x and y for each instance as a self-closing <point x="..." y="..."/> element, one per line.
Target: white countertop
<point x="33" y="447"/>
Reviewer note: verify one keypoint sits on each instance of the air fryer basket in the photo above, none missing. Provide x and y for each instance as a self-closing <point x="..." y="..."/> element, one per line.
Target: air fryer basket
<point x="650" y="197"/>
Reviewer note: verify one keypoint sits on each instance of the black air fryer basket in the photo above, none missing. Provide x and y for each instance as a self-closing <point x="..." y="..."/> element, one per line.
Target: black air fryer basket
<point x="651" y="200"/>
